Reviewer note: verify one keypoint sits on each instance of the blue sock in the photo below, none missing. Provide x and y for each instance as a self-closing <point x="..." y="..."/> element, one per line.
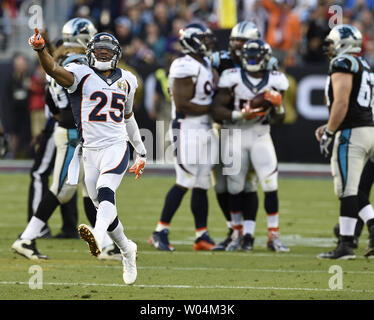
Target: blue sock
<point x="172" y="201"/>
<point x="199" y="207"/>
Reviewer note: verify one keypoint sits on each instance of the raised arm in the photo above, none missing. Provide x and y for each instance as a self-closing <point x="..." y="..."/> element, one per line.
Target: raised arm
<point x="63" y="77"/>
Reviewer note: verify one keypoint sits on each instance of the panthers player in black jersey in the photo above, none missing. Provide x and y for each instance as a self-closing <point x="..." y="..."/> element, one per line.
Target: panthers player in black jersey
<point x="364" y="205"/>
<point x="222" y="60"/>
<point x="348" y="92"/>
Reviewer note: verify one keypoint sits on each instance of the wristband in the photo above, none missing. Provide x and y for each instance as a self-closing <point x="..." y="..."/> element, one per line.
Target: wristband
<point x="236" y="115"/>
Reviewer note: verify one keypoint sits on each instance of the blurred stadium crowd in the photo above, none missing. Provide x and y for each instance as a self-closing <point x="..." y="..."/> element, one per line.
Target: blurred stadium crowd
<point x="148" y="32"/>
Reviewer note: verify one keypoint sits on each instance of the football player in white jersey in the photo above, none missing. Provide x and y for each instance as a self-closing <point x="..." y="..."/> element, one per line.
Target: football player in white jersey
<point x="256" y="149"/>
<point x="76" y="34"/>
<point x="101" y="97"/>
<point x="191" y="88"/>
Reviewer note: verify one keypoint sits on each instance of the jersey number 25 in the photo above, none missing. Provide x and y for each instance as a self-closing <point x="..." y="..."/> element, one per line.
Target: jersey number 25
<point x="116" y="105"/>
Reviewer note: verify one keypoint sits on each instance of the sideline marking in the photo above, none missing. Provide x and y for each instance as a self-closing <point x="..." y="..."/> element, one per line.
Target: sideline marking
<point x="185" y="286"/>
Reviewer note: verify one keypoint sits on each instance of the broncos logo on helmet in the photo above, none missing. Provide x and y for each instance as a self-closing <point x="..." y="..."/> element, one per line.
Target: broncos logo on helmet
<point x="195" y="38"/>
<point x="255" y="55"/>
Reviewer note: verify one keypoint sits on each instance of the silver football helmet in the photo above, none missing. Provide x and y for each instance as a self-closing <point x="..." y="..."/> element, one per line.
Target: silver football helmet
<point x="243" y="31"/>
<point x="77" y="32"/>
<point x="343" y="38"/>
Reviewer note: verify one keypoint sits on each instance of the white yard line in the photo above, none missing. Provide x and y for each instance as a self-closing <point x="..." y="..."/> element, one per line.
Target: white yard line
<point x="174" y="286"/>
<point x="167" y="268"/>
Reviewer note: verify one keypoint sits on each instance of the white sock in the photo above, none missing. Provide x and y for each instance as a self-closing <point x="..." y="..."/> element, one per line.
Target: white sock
<point x="249" y="227"/>
<point x="200" y="232"/>
<point x="33" y="229"/>
<point x="273" y="220"/>
<point x="161" y="226"/>
<point x="106" y="214"/>
<point x="347" y="226"/>
<point x="119" y="237"/>
<point x="366" y="213"/>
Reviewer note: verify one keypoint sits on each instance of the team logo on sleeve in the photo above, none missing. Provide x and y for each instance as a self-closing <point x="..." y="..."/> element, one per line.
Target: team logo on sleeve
<point x="122" y="85"/>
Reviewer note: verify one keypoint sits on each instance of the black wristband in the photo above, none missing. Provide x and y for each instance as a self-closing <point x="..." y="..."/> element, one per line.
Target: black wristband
<point x="39" y="50"/>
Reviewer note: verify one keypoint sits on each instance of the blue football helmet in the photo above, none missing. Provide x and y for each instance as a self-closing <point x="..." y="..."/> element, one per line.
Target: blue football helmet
<point x="195" y="38"/>
<point x="106" y="41"/>
<point x="77" y="32"/>
<point x="255" y="55"/>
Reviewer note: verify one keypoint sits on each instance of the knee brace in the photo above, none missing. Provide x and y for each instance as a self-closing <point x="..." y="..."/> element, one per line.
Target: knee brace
<point x="106" y="194"/>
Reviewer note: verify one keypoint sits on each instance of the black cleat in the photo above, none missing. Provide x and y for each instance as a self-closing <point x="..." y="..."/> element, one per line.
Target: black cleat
<point x="246" y="242"/>
<point x="27" y="248"/>
<point x="355" y="237"/>
<point x="343" y="251"/>
<point x="222" y="245"/>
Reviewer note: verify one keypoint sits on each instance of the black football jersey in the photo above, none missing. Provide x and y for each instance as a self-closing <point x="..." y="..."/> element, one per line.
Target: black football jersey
<point x="359" y="112"/>
<point x="221" y="60"/>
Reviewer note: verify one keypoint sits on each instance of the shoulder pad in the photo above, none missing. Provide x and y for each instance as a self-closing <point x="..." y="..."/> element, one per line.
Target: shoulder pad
<point x="344" y="63"/>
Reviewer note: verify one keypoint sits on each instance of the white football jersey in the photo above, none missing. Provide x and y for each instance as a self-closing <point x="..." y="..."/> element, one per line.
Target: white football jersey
<point x="202" y="77"/>
<point x="99" y="104"/>
<point x="244" y="87"/>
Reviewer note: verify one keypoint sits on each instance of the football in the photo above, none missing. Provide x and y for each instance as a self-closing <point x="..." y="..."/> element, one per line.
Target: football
<point x="260" y="101"/>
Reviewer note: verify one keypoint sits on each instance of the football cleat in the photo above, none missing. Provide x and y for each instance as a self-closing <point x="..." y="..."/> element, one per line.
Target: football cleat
<point x="129" y="263"/>
<point x="160" y="240"/>
<point x="274" y="244"/>
<point x="369" y="251"/>
<point x="27" y="248"/>
<point x="86" y="233"/>
<point x="343" y="251"/>
<point x="111" y="252"/>
<point x="205" y="242"/>
<point x="337" y="235"/>
<point x="234" y="244"/>
<point x="222" y="245"/>
<point x="246" y="242"/>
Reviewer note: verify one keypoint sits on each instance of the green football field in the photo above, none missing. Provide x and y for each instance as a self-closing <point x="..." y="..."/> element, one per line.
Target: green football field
<point x="308" y="211"/>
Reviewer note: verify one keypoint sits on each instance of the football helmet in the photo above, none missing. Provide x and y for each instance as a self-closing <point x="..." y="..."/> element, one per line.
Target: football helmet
<point x="73" y="57"/>
<point x="77" y="32"/>
<point x="106" y="41"/>
<point x="255" y="55"/>
<point x="342" y="39"/>
<point x="243" y="31"/>
<point x="195" y="38"/>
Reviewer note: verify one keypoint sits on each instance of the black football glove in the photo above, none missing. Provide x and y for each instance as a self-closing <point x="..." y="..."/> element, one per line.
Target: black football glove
<point x="325" y="141"/>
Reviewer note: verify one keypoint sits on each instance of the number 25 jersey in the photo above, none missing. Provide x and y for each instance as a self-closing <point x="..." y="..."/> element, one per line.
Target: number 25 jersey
<point x="99" y="104"/>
